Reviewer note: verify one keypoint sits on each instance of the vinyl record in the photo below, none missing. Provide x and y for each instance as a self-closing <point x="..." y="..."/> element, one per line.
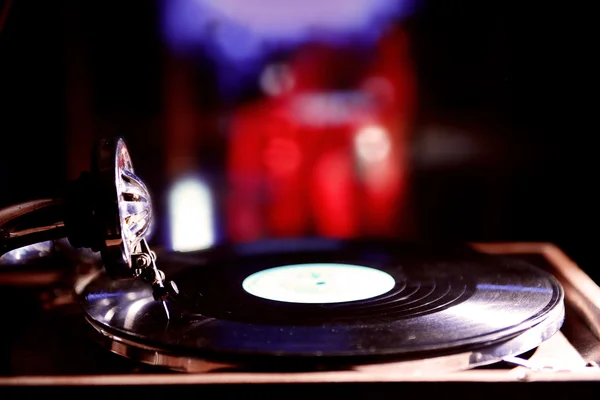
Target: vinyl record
<point x="327" y="301"/>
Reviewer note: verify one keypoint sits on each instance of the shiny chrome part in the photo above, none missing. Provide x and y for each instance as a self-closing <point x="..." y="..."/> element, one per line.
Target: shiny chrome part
<point x="17" y="232"/>
<point x="124" y="205"/>
<point x="143" y="259"/>
<point x="108" y="209"/>
<point x="57" y="249"/>
<point x="135" y="208"/>
<point x="28" y="254"/>
<point x="153" y="355"/>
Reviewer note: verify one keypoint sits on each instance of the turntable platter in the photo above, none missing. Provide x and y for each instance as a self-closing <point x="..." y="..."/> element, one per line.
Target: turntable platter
<point x="332" y="302"/>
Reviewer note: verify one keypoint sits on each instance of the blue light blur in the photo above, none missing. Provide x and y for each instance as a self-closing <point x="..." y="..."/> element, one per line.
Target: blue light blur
<point x="238" y="35"/>
<point x="325" y="339"/>
<point x="239" y="30"/>
<point x="287" y="246"/>
<point x="102" y="295"/>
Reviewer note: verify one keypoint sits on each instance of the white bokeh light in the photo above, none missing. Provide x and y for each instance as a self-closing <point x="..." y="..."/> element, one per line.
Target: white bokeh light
<point x="372" y="143"/>
<point x="191" y="215"/>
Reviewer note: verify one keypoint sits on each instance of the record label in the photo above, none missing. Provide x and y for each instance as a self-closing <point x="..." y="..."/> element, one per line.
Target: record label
<point x="318" y="283"/>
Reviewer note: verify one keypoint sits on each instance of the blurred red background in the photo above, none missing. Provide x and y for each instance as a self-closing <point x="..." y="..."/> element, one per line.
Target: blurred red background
<point x="426" y="120"/>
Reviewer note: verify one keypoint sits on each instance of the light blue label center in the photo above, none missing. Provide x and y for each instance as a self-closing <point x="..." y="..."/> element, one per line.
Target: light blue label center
<point x="318" y="283"/>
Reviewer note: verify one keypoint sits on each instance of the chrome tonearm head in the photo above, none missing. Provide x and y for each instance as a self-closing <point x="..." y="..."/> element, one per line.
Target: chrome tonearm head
<point x="107" y="209"/>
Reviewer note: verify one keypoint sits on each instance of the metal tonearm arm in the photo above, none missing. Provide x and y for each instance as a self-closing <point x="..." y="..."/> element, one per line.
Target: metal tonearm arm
<point x="16" y="233"/>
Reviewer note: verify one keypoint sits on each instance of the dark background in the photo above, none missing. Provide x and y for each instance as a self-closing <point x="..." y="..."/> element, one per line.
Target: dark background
<point x="515" y="78"/>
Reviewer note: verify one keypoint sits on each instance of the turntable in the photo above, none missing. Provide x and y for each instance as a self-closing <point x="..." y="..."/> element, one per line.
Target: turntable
<point x="303" y="312"/>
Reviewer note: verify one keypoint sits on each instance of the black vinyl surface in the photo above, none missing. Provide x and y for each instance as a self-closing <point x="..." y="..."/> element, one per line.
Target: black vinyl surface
<point x="445" y="299"/>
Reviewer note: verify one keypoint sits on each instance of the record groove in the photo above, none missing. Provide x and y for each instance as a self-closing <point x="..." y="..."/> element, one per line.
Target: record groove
<point x="445" y="299"/>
